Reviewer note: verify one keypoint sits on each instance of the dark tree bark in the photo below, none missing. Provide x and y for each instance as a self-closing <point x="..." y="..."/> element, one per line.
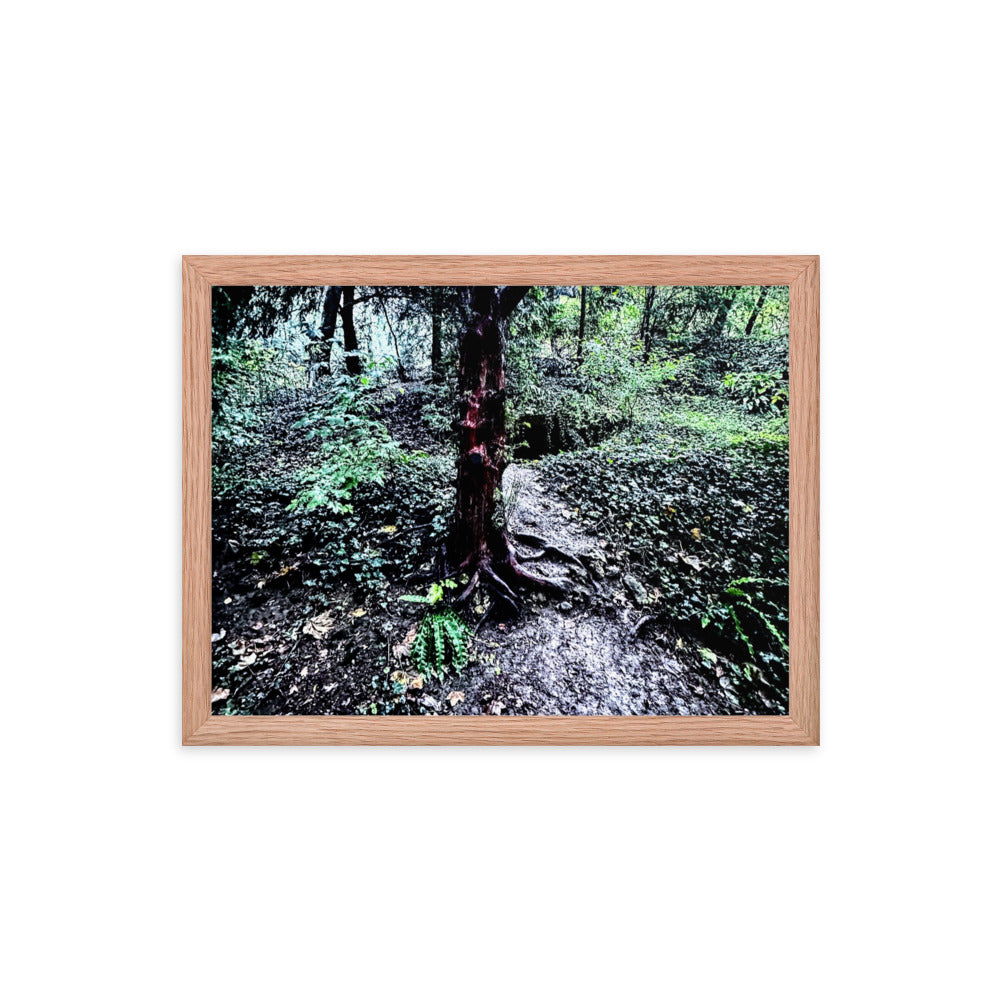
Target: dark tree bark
<point x="583" y="322"/>
<point x="755" y="312"/>
<point x="482" y="430"/>
<point x="437" y="372"/>
<point x="328" y="328"/>
<point x="644" y="323"/>
<point x="722" y="312"/>
<point x="353" y="362"/>
<point x="478" y="543"/>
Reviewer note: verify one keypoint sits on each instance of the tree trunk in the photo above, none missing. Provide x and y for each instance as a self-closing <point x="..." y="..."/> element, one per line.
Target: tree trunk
<point x="477" y="540"/>
<point x="478" y="543"/>
<point x="758" y="305"/>
<point x="644" y="324"/>
<point x="437" y="372"/>
<point x="722" y="312"/>
<point x="583" y="322"/>
<point x="328" y="328"/>
<point x="353" y="362"/>
<point x="482" y="431"/>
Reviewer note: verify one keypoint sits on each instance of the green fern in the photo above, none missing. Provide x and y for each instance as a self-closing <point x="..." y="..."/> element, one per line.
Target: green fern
<point x="442" y="640"/>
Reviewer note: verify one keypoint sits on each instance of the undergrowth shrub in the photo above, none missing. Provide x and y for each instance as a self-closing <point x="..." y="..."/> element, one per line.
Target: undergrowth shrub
<point x="758" y="392"/>
<point x="246" y="377"/>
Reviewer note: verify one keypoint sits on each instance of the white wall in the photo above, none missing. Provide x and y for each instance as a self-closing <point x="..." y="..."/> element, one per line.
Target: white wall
<point x="863" y="131"/>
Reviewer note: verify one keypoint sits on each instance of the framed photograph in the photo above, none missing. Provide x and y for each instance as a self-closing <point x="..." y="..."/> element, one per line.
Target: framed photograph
<point x="501" y="500"/>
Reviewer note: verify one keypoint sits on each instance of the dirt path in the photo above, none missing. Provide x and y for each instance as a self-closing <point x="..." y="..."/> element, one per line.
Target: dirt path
<point x="577" y="654"/>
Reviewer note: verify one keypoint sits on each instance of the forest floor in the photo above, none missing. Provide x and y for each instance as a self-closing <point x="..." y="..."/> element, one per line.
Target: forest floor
<point x="281" y="646"/>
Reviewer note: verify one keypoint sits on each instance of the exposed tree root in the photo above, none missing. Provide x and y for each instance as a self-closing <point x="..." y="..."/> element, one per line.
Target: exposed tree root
<point x="539" y="581"/>
<point x="644" y="620"/>
<point x="500" y="574"/>
<point x="547" y="549"/>
<point x="504" y="589"/>
<point x="467" y="593"/>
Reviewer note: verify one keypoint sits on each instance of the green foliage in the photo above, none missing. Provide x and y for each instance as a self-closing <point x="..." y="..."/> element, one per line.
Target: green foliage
<point x="434" y="594"/>
<point x="438" y="409"/>
<point x="620" y="377"/>
<point x="355" y="448"/>
<point x="355" y="544"/>
<point x="758" y="392"/>
<point x="756" y="610"/>
<point x="699" y="424"/>
<point x="246" y="377"/>
<point x="442" y="642"/>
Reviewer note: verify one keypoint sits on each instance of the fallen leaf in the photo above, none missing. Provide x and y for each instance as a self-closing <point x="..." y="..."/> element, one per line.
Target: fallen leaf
<point x="248" y="661"/>
<point x="387" y="529"/>
<point x="219" y="694"/>
<point x="221" y="634"/>
<point x="402" y="649"/>
<point x="399" y="677"/>
<point x="303" y="672"/>
<point x="697" y="534"/>
<point x="228" y="600"/>
<point x="358" y="613"/>
<point x="417" y="683"/>
<point x="455" y="697"/>
<point x="319" y="625"/>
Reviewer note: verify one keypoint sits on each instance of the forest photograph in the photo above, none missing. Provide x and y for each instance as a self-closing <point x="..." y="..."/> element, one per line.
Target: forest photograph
<point x="500" y="500"/>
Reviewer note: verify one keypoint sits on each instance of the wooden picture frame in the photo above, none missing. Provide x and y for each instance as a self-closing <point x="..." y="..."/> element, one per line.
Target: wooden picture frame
<point x="799" y="273"/>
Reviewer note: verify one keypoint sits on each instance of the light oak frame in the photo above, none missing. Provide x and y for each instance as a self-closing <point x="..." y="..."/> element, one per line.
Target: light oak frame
<point x="799" y="727"/>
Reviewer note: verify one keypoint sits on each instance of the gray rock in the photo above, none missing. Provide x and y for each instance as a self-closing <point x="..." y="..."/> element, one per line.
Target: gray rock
<point x="637" y="589"/>
<point x="565" y="606"/>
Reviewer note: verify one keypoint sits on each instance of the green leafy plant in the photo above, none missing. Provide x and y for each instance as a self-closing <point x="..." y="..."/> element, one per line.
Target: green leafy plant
<point x="443" y="638"/>
<point x="355" y="448"/>
<point x="759" y="392"/>
<point x="434" y="594"/>
<point x="758" y="619"/>
<point x="442" y="641"/>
